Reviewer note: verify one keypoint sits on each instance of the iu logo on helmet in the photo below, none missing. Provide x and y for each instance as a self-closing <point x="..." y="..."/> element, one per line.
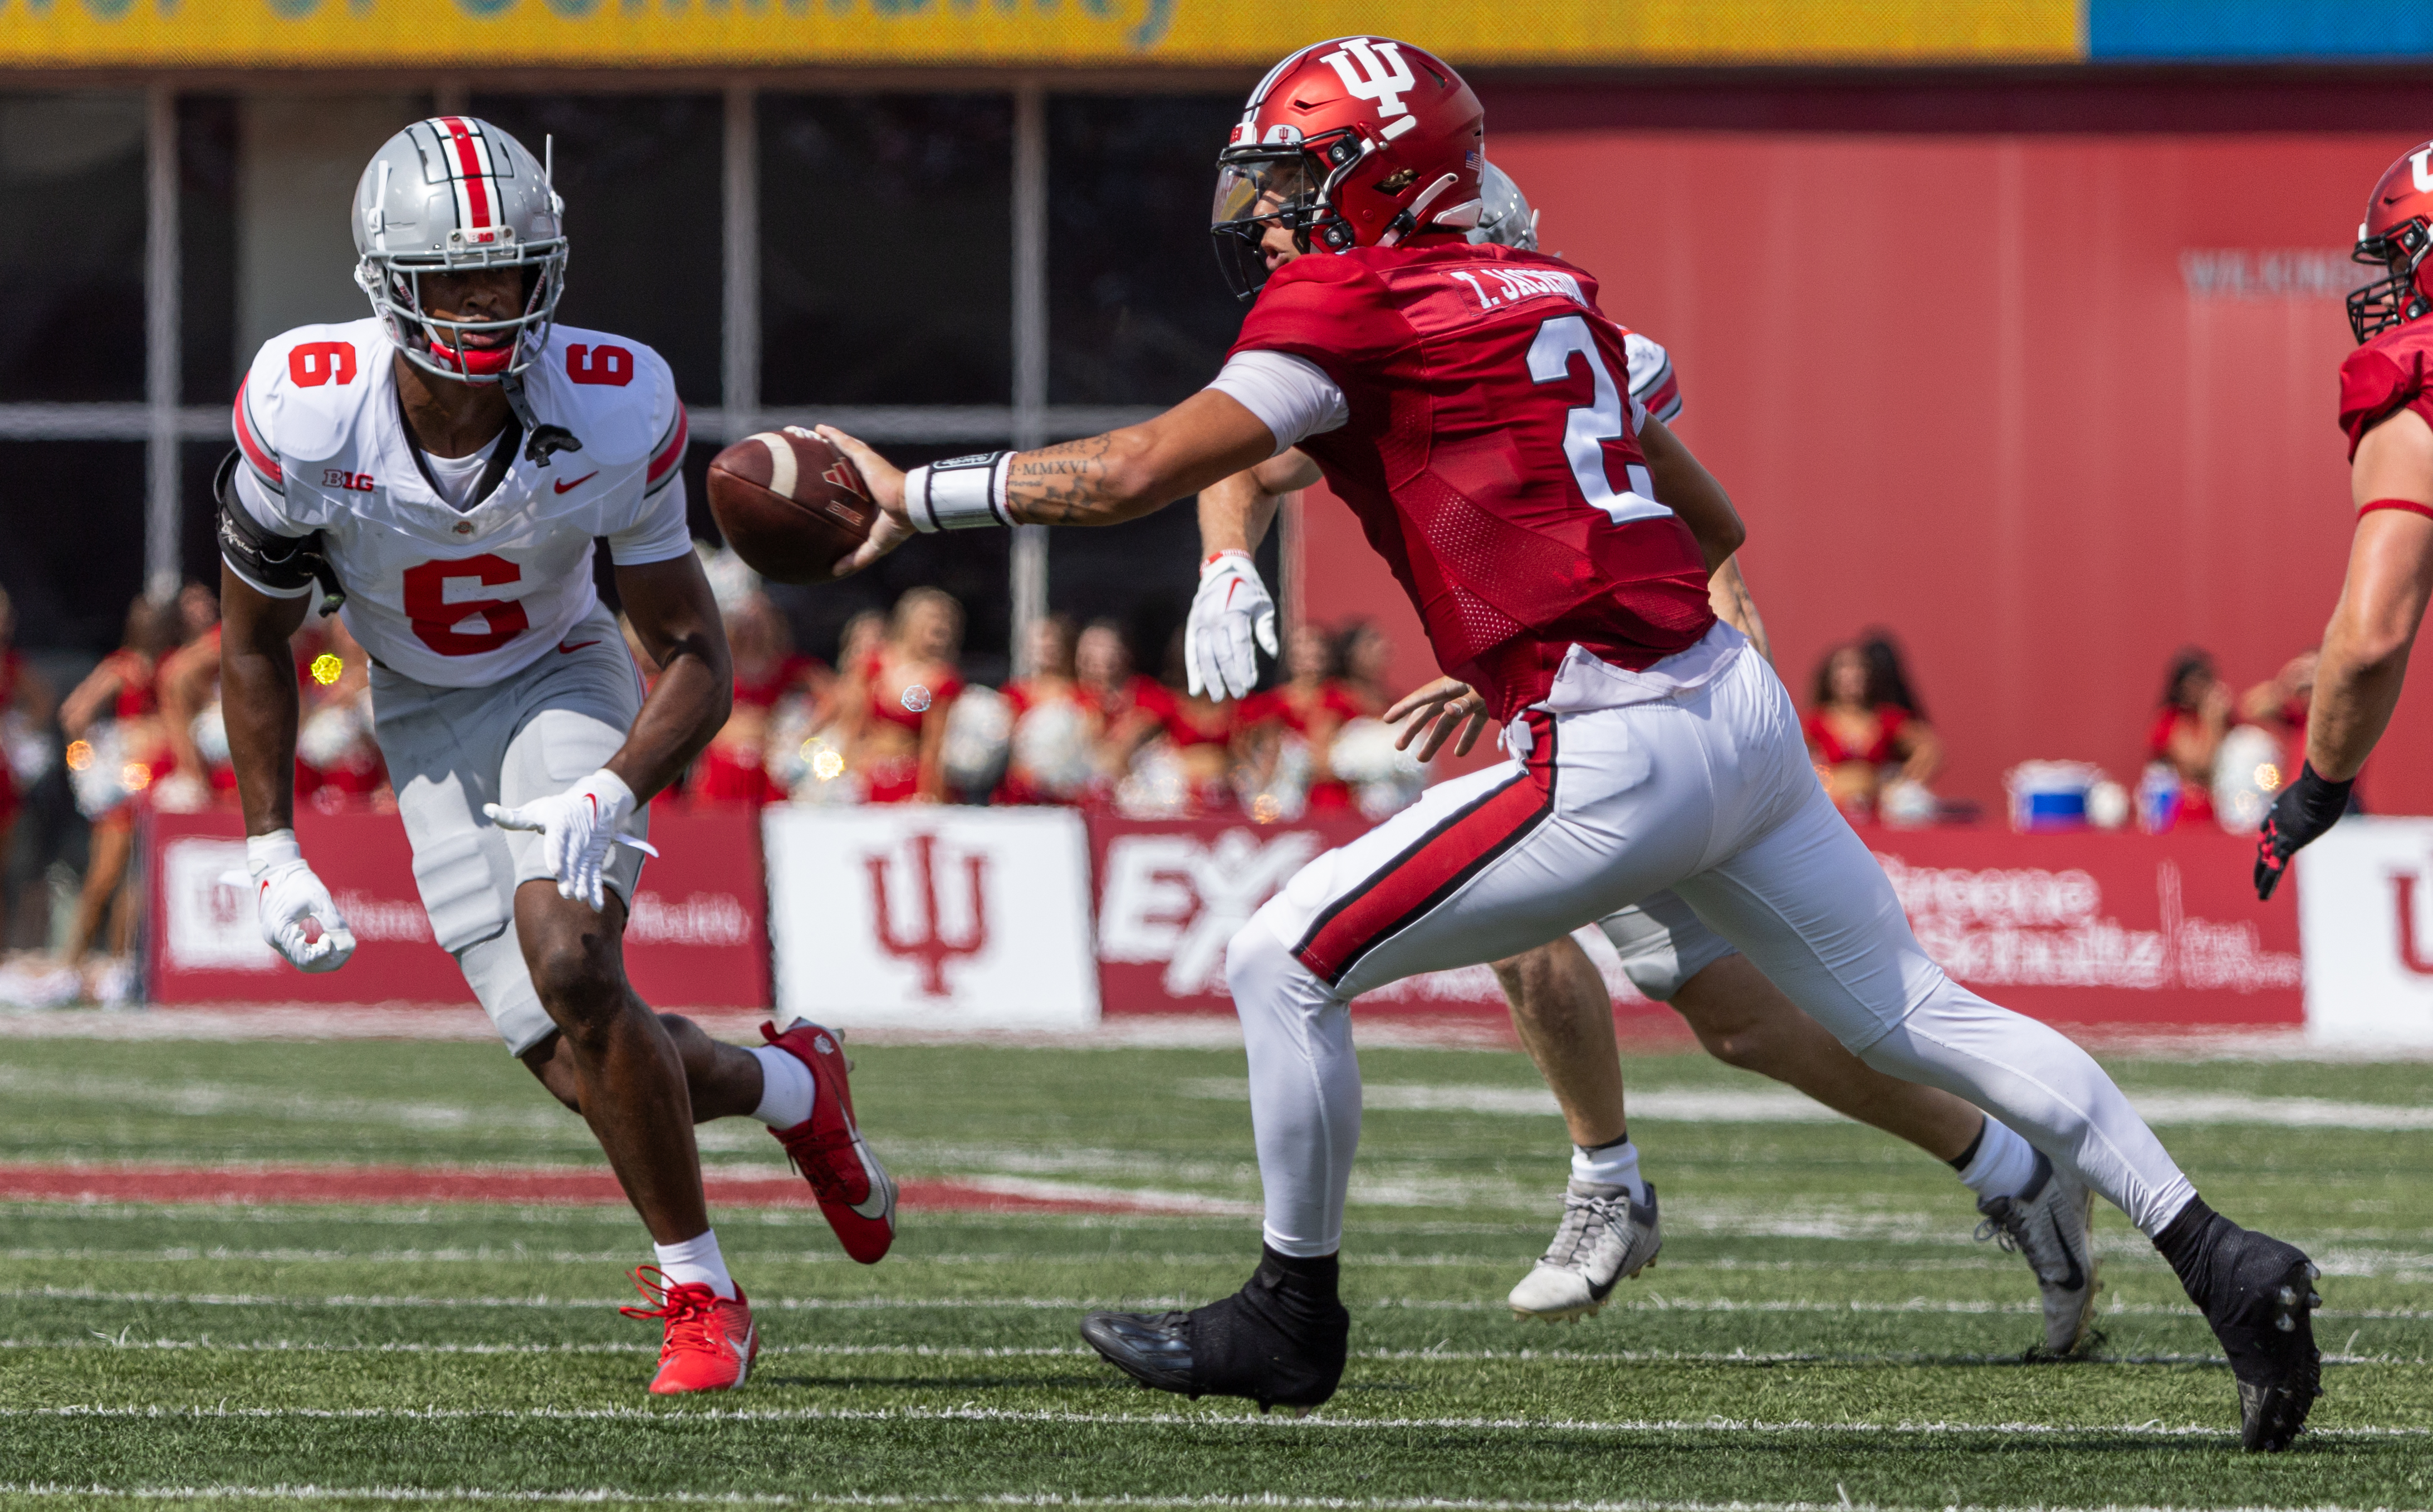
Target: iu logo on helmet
<point x="931" y="949"/>
<point x="1373" y="71"/>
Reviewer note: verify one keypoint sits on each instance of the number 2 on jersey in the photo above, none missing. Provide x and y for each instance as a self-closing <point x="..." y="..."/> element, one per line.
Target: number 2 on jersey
<point x="1588" y="427"/>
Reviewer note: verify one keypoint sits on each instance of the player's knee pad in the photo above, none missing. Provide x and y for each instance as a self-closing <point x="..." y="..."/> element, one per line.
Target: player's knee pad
<point x="1662" y="944"/>
<point x="495" y="969"/>
<point x="1262" y="973"/>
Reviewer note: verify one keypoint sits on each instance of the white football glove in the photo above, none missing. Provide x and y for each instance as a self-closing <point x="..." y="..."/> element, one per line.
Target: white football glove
<point x="576" y="828"/>
<point x="298" y="917"/>
<point x="1230" y="608"/>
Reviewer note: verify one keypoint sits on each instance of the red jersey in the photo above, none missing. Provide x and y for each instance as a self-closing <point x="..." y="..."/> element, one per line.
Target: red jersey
<point x="2385" y="376"/>
<point x="1493" y="456"/>
<point x="1830" y="749"/>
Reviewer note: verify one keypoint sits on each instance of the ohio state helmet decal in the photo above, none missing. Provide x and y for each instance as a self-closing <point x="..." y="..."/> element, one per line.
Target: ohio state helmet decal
<point x="1357" y="141"/>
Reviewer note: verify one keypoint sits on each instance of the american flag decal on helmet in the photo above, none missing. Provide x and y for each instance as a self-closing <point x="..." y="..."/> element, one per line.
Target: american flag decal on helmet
<point x="472" y="172"/>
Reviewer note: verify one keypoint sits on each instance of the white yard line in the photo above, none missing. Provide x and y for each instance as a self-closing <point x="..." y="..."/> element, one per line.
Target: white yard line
<point x="2153" y="1428"/>
<point x="1780" y="1105"/>
<point x="1647" y="1303"/>
<point x="608" y="1496"/>
<point x="948" y="1351"/>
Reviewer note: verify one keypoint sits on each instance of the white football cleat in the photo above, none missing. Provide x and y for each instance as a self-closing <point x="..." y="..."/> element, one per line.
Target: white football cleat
<point x="1604" y="1236"/>
<point x="2047" y="1223"/>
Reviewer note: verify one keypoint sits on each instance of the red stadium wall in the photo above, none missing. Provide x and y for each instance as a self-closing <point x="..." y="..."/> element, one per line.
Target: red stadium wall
<point x="1960" y="385"/>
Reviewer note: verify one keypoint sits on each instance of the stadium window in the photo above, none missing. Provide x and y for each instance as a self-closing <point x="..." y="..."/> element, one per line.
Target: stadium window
<point x="57" y="499"/>
<point x="886" y="250"/>
<point x="298" y="159"/>
<point x="641" y="174"/>
<point x="208" y="361"/>
<point x="71" y="225"/>
<point x="1137" y="311"/>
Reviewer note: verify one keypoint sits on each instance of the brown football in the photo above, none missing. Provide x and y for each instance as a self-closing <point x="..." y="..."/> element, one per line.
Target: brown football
<point x="790" y="504"/>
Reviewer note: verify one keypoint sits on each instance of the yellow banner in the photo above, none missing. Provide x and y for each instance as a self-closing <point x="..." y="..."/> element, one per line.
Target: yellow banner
<point x="647" y="33"/>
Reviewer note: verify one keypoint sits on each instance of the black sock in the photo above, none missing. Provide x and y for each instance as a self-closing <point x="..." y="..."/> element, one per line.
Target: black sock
<point x="1314" y="1274"/>
<point x="1965" y="1158"/>
<point x="2187" y="1242"/>
<point x="1621" y="1139"/>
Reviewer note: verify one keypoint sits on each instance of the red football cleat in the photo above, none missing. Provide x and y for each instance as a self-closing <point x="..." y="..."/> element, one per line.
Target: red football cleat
<point x="855" y="1191"/>
<point x="710" y="1342"/>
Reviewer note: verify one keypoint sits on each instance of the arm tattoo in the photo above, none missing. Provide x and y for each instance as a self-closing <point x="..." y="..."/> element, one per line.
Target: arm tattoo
<point x="1062" y="485"/>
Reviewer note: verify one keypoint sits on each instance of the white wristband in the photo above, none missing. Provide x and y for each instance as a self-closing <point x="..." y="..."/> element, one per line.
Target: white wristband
<point x="277" y="848"/>
<point x="961" y="493"/>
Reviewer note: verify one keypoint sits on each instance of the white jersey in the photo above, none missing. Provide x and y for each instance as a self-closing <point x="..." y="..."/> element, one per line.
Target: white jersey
<point x="461" y="599"/>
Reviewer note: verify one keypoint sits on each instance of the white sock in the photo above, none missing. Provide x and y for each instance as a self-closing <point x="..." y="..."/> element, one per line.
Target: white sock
<point x="1615" y="1165"/>
<point x="787" y="1090"/>
<point x="2004" y="1165"/>
<point x="697" y="1262"/>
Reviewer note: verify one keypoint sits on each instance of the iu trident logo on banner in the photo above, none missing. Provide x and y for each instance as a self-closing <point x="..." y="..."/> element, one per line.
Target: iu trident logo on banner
<point x="930" y="949"/>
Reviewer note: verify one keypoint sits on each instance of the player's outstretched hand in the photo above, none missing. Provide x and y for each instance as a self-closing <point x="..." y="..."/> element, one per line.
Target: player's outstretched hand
<point x="576" y="828"/>
<point x="298" y="917"/>
<point x="1230" y="612"/>
<point x="886" y="484"/>
<point x="1437" y="712"/>
<point x="2305" y="809"/>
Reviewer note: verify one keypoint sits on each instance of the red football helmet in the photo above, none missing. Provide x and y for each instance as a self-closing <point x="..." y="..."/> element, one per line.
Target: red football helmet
<point x="2396" y="234"/>
<point x="1358" y="141"/>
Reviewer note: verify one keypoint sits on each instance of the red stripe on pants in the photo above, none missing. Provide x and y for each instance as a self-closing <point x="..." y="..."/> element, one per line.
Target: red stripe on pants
<point x="1433" y="867"/>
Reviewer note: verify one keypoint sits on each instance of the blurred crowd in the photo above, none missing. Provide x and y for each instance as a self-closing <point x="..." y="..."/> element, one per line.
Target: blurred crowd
<point x="894" y="722"/>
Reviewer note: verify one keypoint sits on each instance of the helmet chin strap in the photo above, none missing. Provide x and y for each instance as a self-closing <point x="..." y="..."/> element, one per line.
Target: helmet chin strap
<point x="543" y="440"/>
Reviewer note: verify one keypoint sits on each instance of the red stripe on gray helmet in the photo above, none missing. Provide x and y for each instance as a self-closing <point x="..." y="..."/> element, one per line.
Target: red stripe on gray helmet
<point x="475" y="193"/>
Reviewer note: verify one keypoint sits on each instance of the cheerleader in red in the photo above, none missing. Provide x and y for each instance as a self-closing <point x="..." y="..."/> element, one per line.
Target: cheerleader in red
<point x="126" y="684"/>
<point x="1057" y="723"/>
<point x="768" y="670"/>
<point x="899" y="698"/>
<point x="1856" y="732"/>
<point x="1312" y="705"/>
<point x="2188" y="727"/>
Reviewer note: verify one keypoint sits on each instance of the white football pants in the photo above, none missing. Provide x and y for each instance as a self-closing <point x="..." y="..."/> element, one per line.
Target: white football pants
<point x="1709" y="793"/>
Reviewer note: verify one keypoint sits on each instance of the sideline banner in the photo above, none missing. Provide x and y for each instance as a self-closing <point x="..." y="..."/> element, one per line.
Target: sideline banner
<point x="695" y="938"/>
<point x="1240" y="33"/>
<point x="1170" y="894"/>
<point x="2161" y="931"/>
<point x="2366" y="895"/>
<point x="932" y="917"/>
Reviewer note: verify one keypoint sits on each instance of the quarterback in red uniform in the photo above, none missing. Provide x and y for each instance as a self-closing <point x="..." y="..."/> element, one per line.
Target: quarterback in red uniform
<point x="1468" y="402"/>
<point x="2388" y="414"/>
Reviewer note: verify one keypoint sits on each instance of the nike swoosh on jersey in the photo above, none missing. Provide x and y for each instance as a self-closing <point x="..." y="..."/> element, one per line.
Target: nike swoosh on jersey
<point x="577" y="646"/>
<point x="562" y="485"/>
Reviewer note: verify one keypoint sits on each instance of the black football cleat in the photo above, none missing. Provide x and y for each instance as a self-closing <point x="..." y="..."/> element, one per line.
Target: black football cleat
<point x="2259" y="1296"/>
<point x="1280" y="1341"/>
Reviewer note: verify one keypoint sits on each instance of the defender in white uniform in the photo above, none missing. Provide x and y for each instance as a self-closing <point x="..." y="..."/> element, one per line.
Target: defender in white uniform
<point x="442" y="469"/>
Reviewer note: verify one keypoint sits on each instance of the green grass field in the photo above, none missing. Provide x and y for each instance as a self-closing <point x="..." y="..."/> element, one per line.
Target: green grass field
<point x="1821" y="1331"/>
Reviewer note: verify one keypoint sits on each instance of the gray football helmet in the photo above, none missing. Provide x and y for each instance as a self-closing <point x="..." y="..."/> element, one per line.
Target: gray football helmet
<point x="1504" y="214"/>
<point x="450" y="195"/>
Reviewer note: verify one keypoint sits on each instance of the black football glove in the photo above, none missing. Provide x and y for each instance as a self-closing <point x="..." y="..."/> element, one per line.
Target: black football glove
<point x="2305" y="809"/>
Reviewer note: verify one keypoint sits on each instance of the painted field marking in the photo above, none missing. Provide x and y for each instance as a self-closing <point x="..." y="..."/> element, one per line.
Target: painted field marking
<point x="529" y="1185"/>
<point x="955" y="1352"/>
<point x="851" y="1304"/>
<point x="1254" y="1422"/>
<point x="609" y="1496"/>
<point x="1780" y="1105"/>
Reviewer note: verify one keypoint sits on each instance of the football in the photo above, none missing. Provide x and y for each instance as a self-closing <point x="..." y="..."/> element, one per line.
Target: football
<point x="790" y="504"/>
